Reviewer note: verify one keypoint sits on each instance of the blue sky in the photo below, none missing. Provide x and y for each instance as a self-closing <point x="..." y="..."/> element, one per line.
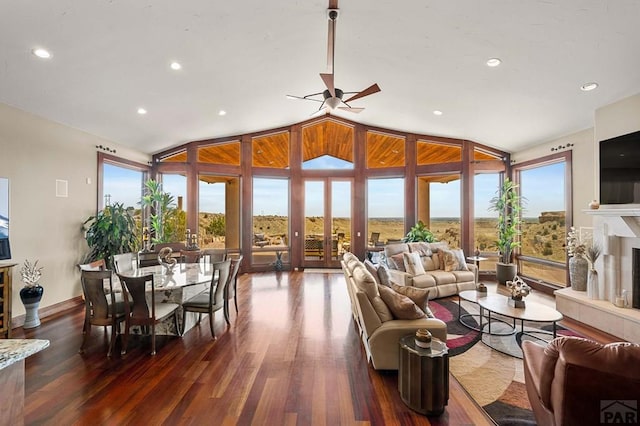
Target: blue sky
<point x="543" y="187"/>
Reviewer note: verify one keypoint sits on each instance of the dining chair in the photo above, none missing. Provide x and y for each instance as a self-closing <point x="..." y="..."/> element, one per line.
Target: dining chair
<point x="214" y="255"/>
<point x="232" y="284"/>
<point x="147" y="258"/>
<point x="96" y="265"/>
<point x="211" y="300"/>
<point x="101" y="309"/>
<point x="190" y="256"/>
<point x="123" y="262"/>
<point x="138" y="311"/>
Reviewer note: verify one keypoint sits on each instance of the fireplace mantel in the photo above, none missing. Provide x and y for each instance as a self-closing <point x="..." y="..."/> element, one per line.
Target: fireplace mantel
<point x="630" y="216"/>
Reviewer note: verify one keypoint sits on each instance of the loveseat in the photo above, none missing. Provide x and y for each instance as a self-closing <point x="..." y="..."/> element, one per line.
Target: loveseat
<point x="379" y="329"/>
<point x="443" y="271"/>
<point x="575" y="381"/>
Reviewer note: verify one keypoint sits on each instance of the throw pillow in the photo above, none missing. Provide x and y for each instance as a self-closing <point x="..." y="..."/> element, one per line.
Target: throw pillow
<point x="420" y="247"/>
<point x="396" y="262"/>
<point x="440" y="245"/>
<point x="367" y="284"/>
<point x="450" y="261"/>
<point x="413" y="263"/>
<point x="437" y="260"/>
<point x="428" y="263"/>
<point x="383" y="275"/>
<point x="373" y="270"/>
<point x="419" y="296"/>
<point x="462" y="262"/>
<point x="401" y="306"/>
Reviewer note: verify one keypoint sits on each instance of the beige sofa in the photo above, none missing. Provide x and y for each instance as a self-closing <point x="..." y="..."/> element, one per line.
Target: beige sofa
<point x="380" y="336"/>
<point x="436" y="279"/>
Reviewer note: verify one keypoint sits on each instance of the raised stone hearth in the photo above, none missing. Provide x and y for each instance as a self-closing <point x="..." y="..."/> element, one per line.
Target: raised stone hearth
<point x="618" y="232"/>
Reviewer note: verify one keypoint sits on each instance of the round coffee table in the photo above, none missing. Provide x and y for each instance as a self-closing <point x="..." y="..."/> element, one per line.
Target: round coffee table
<point x="473" y="296"/>
<point x="532" y="312"/>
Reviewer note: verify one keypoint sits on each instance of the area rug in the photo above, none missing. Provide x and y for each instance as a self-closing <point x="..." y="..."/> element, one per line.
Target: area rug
<point x="494" y="380"/>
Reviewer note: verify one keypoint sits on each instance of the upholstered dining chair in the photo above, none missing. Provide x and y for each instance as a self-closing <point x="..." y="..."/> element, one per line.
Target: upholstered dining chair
<point x="212" y="300"/>
<point x="101" y="309"/>
<point x="190" y="256"/>
<point x="139" y="312"/>
<point x="214" y="255"/>
<point x="123" y="262"/>
<point x="232" y="285"/>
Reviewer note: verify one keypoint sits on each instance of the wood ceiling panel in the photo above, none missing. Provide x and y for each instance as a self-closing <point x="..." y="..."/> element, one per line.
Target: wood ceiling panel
<point x="271" y="151"/>
<point x="440" y="178"/>
<point x="180" y="157"/>
<point x="479" y="155"/>
<point x="225" y="153"/>
<point x="215" y="179"/>
<point x="437" y="153"/>
<point x="385" y="151"/>
<point x="327" y="138"/>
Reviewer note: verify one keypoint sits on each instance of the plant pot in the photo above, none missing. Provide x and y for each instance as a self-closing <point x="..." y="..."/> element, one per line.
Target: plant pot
<point x="516" y="302"/>
<point x="31" y="297"/>
<point x="505" y="272"/>
<point x="578" y="270"/>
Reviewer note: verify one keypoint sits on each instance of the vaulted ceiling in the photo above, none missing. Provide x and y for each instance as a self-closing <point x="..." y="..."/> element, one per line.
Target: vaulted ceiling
<point x="112" y="57"/>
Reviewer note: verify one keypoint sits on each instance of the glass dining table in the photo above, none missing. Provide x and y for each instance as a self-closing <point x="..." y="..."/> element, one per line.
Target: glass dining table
<point x="183" y="282"/>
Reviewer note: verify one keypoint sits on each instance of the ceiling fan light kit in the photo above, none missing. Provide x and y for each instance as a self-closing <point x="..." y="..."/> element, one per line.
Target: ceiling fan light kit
<point x="331" y="98"/>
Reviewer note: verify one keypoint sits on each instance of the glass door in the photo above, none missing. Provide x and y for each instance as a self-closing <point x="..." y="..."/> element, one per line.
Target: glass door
<point x="327" y="222"/>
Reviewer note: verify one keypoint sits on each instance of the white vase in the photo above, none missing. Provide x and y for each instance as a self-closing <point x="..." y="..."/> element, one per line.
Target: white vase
<point x="593" y="290"/>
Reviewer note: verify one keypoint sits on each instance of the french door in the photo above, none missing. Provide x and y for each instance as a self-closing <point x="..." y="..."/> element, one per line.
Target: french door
<point x="327" y="221"/>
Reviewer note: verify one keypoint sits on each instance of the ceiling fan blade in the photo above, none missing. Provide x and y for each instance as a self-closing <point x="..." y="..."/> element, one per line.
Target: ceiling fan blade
<point x="374" y="88"/>
<point x="319" y="112"/>
<point x="328" y="81"/>
<point x="354" y="110"/>
<point x="304" y="98"/>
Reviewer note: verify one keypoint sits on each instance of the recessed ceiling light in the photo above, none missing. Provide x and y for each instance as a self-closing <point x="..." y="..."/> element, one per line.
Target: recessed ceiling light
<point x="222" y="112"/>
<point x="142" y="111"/>
<point x="437" y="112"/>
<point x="175" y="66"/>
<point x="41" y="53"/>
<point x="494" y="62"/>
<point x="587" y="87"/>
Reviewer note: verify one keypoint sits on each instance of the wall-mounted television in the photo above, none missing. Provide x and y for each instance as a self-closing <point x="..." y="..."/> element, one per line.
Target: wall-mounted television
<point x="5" y="252"/>
<point x="620" y="170"/>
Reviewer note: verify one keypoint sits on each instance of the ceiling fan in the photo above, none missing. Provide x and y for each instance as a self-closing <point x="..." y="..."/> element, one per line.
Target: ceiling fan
<point x="332" y="97"/>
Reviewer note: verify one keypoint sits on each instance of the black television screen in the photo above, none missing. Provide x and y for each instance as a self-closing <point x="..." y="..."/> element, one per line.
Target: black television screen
<point x="620" y="170"/>
<point x="5" y="250"/>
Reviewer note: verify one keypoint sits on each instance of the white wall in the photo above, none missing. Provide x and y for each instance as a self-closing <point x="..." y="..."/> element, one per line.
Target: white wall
<point x="34" y="152"/>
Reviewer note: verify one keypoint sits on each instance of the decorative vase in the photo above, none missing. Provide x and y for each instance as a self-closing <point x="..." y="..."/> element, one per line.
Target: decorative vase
<point x="278" y="265"/>
<point x="516" y="302"/>
<point x="31" y="297"/>
<point x="592" y="285"/>
<point x="578" y="270"/>
<point x="594" y="205"/>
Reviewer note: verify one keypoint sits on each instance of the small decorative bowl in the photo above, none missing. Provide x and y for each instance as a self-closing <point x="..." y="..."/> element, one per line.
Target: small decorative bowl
<point x="423" y="338"/>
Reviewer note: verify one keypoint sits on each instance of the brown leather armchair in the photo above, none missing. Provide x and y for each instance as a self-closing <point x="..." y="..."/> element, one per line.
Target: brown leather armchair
<point x="575" y="381"/>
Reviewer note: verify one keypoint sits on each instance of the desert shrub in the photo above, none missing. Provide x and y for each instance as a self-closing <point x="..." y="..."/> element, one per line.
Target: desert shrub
<point x="547" y="251"/>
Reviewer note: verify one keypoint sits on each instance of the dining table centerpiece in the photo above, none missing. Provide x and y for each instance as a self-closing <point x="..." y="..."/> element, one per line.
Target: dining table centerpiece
<point x="518" y="290"/>
<point x="31" y="293"/>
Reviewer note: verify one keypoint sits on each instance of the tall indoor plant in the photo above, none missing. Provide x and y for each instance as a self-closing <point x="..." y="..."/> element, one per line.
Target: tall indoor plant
<point x="167" y="222"/>
<point x="508" y="204"/>
<point x="111" y="231"/>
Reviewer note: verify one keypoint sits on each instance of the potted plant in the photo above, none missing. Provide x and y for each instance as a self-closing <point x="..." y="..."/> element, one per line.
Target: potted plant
<point x="419" y="233"/>
<point x="508" y="204"/>
<point x="31" y="293"/>
<point x="111" y="231"/>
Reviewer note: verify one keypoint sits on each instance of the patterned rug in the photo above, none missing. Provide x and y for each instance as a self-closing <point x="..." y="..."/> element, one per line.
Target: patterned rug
<point x="493" y="379"/>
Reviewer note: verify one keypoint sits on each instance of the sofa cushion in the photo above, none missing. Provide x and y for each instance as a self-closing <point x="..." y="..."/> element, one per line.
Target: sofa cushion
<point x="419" y="296"/>
<point x="443" y="277"/>
<point x="400" y="305"/>
<point x="425" y="281"/>
<point x="391" y="249"/>
<point x="413" y="263"/>
<point x="453" y="260"/>
<point x="383" y="275"/>
<point x="436" y="257"/>
<point x="352" y="264"/>
<point x="421" y="248"/>
<point x="464" y="276"/>
<point x="373" y="270"/>
<point x="366" y="283"/>
<point x="396" y="262"/>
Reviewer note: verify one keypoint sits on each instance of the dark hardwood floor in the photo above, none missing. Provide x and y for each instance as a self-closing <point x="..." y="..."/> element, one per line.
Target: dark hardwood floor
<point x="291" y="356"/>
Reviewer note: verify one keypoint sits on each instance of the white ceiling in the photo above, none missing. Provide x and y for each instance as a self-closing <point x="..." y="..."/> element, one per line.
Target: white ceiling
<point x="112" y="56"/>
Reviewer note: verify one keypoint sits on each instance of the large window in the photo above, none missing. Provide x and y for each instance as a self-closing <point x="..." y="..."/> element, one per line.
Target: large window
<point x="385" y="209"/>
<point x="542" y="256"/>
<point x="270" y="219"/>
<point x="121" y="185"/>
<point x="439" y="206"/>
<point x="219" y="215"/>
<point x="485" y="221"/>
<point x="175" y="221"/>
